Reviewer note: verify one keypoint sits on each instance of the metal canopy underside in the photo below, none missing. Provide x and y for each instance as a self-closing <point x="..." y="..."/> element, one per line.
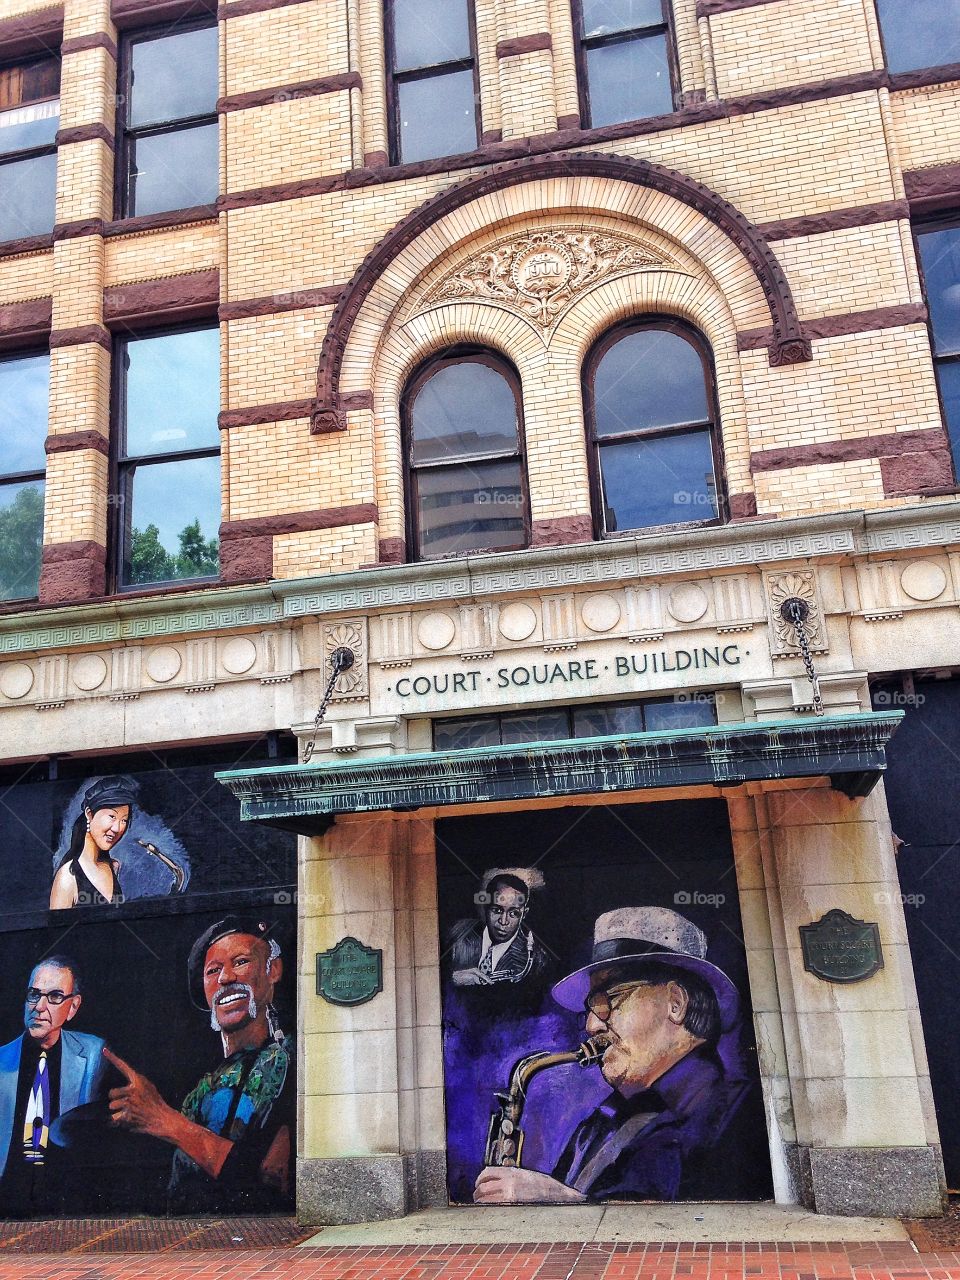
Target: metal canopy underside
<point x="850" y="750"/>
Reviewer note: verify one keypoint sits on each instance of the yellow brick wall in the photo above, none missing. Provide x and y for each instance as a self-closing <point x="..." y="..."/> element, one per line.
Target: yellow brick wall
<point x="75" y="502"/>
<point x="79" y="390"/>
<point x="320" y="551"/>
<point x="289" y="45"/>
<point x="26" y="276"/>
<point x="526" y="94"/>
<point x="926" y="125"/>
<point x="78" y="282"/>
<point x="271" y="358"/>
<point x="852" y="270"/>
<point x="84" y="181"/>
<point x="808" y="490"/>
<point x="154" y="254"/>
<point x="770" y="46"/>
<point x="286" y="141"/>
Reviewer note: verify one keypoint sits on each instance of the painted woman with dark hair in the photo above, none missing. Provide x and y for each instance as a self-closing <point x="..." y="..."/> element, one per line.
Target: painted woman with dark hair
<point x="88" y="874"/>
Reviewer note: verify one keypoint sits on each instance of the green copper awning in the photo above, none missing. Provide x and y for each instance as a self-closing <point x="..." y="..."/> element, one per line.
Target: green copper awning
<point x="306" y="798"/>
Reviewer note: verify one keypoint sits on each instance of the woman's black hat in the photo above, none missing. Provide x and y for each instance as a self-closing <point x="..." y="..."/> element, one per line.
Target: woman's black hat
<point x="105" y="793"/>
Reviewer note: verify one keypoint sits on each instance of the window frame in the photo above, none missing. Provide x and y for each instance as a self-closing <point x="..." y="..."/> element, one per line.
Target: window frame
<point x="913" y="71"/>
<point x="26" y="477"/>
<point x="421" y="374"/>
<point x="946" y="221"/>
<point x="123" y="466"/>
<point x="32" y="153"/>
<point x="431" y="71"/>
<point x="127" y="135"/>
<point x="582" y="44"/>
<point x="604" y="343"/>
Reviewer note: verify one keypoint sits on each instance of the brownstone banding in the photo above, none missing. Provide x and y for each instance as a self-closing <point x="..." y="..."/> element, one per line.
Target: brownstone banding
<point x="80" y="44"/>
<point x="392" y="550"/>
<point x="74" y="230"/>
<point x="561" y="530"/>
<point x="569" y="121"/>
<point x="191" y="296"/>
<point x="945" y="73"/>
<point x="707" y="8"/>
<point x="375" y="159"/>
<point x="31" y="33"/>
<point x="815" y="224"/>
<point x="137" y="13"/>
<point x="72" y="441"/>
<point x="241" y="8"/>
<point x="301" y="521"/>
<point x="256" y="415"/>
<point x="72" y="571"/>
<point x="159" y="221"/>
<point x="26" y="244"/>
<point x="287" y="92"/>
<point x="245" y="559"/>
<point x="891" y="444"/>
<point x="25" y="323"/>
<point x="490" y="136"/>
<point x="789" y="344"/>
<point x="520" y="45"/>
<point x="742" y="506"/>
<point x="917" y="472"/>
<point x="80" y="335"/>
<point x="85" y="133"/>
<point x="838" y="326"/>
<point x="932" y="189"/>
<point x="288" y="300"/>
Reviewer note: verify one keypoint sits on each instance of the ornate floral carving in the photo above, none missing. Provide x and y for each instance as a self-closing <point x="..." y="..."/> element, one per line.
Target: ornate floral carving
<point x="349" y="633"/>
<point x="800" y="584"/>
<point x="541" y="273"/>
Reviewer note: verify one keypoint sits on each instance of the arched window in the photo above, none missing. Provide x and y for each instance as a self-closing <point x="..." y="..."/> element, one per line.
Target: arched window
<point x="464" y="449"/>
<point x="652" y="428"/>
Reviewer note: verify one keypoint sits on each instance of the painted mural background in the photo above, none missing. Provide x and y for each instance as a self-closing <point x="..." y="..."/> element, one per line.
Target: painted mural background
<point x="147" y="1058"/>
<point x="674" y="859"/>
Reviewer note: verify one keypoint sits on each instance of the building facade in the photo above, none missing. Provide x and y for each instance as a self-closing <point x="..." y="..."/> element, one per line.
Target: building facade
<point x="478" y="501"/>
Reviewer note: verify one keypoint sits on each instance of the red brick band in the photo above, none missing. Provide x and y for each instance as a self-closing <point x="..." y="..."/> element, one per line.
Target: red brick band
<point x="159" y="221"/>
<point x="74" y="230"/>
<point x="839" y="326"/>
<point x="919" y="79"/>
<point x="302" y="521"/>
<point x="73" y="441"/>
<point x="26" y="244"/>
<point x="288" y="300"/>
<point x="23" y="323"/>
<point x="893" y="444"/>
<point x="80" y="44"/>
<point x="520" y="45"/>
<point x="191" y="296"/>
<point x="242" y="8"/>
<point x="72" y="571"/>
<point x="814" y="224"/>
<point x="257" y="415"/>
<point x="80" y="336"/>
<point x="85" y="133"/>
<point x="561" y="530"/>
<point x="289" y="92"/>
<point x="31" y="33"/>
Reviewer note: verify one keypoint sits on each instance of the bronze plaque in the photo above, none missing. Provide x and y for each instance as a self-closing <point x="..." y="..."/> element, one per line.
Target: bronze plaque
<point x="840" y="948"/>
<point x="349" y="973"/>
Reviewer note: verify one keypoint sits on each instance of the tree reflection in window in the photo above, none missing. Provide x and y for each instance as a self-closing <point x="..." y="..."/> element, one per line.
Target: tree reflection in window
<point x="463" y="431"/>
<point x="24" y="393"/>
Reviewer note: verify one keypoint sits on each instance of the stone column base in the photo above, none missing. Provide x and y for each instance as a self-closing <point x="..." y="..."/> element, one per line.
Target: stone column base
<point x="872" y="1182"/>
<point x="369" y="1188"/>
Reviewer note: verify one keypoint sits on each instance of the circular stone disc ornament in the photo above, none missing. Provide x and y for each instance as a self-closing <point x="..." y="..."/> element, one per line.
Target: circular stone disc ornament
<point x="687" y="603"/>
<point x="89" y="672"/>
<point x="436" y="630"/>
<point x="238" y="655"/>
<point x="163" y="663"/>
<point x="543" y="269"/>
<point x="923" y="580"/>
<point x="16" y="679"/>
<point x="600" y="612"/>
<point x="517" y="621"/>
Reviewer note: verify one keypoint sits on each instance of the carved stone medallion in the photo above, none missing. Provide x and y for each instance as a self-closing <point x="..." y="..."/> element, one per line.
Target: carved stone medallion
<point x="540" y="274"/>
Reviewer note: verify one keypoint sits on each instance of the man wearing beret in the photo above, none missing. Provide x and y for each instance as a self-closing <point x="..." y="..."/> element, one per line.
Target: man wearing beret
<point x="668" y="1130"/>
<point x="234" y="1133"/>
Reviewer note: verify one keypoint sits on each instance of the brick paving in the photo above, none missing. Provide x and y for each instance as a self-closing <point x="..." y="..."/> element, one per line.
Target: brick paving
<point x="756" y="1260"/>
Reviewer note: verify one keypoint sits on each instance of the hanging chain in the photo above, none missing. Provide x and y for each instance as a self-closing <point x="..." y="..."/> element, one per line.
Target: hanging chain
<point x="340" y="660"/>
<point x="796" y="612"/>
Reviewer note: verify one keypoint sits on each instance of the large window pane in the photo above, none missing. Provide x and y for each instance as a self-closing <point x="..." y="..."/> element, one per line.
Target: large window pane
<point x="663" y="480"/>
<point x="600" y="17"/>
<point x="437" y="116"/>
<point x="534" y="726"/>
<point x="174" y="520"/>
<point x="680" y="713"/>
<point x="940" y="256"/>
<point x="464" y="409"/>
<point x="174" y="170"/>
<point x="173" y="392"/>
<point x="629" y="81"/>
<point x="949" y="376"/>
<point x="173" y="77"/>
<point x="920" y="33"/>
<point x="476" y="505"/>
<point x="23" y="128"/>
<point x="28" y="191"/>
<point x="651" y="378"/>
<point x="600" y="721"/>
<point x="24" y="393"/>
<point x="459" y="735"/>
<point x="428" y="32"/>
<point x="21" y="538"/>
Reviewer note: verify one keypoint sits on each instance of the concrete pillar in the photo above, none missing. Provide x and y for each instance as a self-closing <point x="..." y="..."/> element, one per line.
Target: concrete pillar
<point x="371" y="1134"/>
<point x="852" y="1124"/>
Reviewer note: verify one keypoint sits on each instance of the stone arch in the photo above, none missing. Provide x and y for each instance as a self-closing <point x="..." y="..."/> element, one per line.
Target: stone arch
<point x="788" y="344"/>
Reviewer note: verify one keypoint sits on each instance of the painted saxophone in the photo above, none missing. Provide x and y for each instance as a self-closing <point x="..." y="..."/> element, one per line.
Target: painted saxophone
<point x="505" y="1138"/>
<point x="173" y="867"/>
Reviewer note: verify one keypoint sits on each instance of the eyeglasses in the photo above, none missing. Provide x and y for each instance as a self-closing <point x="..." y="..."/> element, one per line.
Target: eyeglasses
<point x="35" y="995"/>
<point x="602" y="1003"/>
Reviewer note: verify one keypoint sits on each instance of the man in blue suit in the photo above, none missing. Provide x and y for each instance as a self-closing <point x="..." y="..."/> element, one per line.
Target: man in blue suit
<point x="44" y="1073"/>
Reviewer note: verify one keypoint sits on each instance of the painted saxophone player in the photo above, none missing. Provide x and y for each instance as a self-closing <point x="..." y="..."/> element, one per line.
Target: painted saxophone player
<point x="656" y="1009"/>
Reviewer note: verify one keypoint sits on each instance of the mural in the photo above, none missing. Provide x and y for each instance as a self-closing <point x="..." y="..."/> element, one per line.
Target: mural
<point x="597" y="1031"/>
<point x="148" y="942"/>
